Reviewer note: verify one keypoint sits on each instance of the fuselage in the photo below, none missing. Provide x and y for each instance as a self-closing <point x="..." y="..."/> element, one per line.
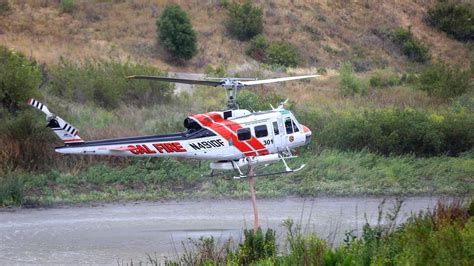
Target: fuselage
<point x="218" y="136"/>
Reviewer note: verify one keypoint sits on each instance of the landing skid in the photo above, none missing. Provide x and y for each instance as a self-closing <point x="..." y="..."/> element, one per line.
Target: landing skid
<point x="273" y="173"/>
<point x="281" y="156"/>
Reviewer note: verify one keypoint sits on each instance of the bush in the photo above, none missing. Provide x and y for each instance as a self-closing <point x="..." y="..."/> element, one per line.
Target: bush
<point x="4" y="6"/>
<point x="443" y="236"/>
<point x="445" y="81"/>
<point x="256" y="246"/>
<point x="176" y="33"/>
<point x="384" y="78"/>
<point x="348" y="83"/>
<point x="395" y="131"/>
<point x="218" y="71"/>
<point x="454" y="18"/>
<point x="304" y="249"/>
<point x="275" y="53"/>
<point x="414" y="49"/>
<point x="104" y="83"/>
<point x="244" y="21"/>
<point x="66" y="6"/>
<point x="20" y="79"/>
<point x="257" y="48"/>
<point x="258" y="101"/>
<point x="283" y="54"/>
<point x="11" y="190"/>
<point x="25" y="142"/>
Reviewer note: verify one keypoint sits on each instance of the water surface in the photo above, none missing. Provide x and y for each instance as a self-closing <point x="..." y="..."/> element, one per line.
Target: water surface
<point x="112" y="233"/>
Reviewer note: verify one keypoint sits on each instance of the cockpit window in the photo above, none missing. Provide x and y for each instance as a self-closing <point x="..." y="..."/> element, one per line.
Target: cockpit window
<point x="295" y="128"/>
<point x="288" y="126"/>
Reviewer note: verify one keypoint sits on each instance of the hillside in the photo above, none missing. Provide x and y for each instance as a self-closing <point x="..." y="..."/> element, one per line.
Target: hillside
<point x="382" y="124"/>
<point x="325" y="33"/>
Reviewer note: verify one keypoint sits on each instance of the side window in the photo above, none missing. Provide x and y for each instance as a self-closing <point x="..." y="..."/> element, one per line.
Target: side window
<point x="275" y="128"/>
<point x="288" y="126"/>
<point x="261" y="131"/>
<point x="295" y="128"/>
<point x="244" y="134"/>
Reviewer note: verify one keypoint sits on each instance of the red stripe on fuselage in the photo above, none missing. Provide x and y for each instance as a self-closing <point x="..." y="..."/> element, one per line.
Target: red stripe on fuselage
<point x="254" y="142"/>
<point x="233" y="126"/>
<point x="226" y="134"/>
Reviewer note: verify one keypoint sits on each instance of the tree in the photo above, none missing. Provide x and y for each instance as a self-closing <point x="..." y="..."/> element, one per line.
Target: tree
<point x="176" y="33"/>
<point x="453" y="17"/>
<point x="283" y="54"/>
<point x="19" y="79"/>
<point x="244" y="21"/>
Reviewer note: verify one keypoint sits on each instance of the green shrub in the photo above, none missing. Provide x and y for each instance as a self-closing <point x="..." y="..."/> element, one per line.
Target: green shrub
<point x="258" y="101"/>
<point x="445" y="81"/>
<point x="276" y="53"/>
<point x="401" y="35"/>
<point x="453" y="17"/>
<point x="4" y="6"/>
<point x="66" y="6"/>
<point x="11" y="190"/>
<point x="244" y="21"/>
<point x="348" y="83"/>
<point x="283" y="54"/>
<point x="438" y="237"/>
<point x="25" y="142"/>
<point x="211" y="71"/>
<point x="303" y="249"/>
<point x="105" y="84"/>
<point x="384" y="78"/>
<point x="414" y="49"/>
<point x="20" y="79"/>
<point x="176" y="33"/>
<point x="395" y="131"/>
<point x="256" y="246"/>
<point x="257" y="48"/>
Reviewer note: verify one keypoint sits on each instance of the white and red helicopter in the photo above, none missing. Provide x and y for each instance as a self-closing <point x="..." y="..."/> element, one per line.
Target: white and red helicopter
<point x="232" y="139"/>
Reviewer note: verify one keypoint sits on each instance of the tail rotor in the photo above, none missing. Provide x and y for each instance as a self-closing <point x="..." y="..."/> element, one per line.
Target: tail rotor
<point x="65" y="131"/>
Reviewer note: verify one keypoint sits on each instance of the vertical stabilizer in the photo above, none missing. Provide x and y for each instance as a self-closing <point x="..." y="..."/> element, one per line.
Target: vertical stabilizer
<point x="65" y="131"/>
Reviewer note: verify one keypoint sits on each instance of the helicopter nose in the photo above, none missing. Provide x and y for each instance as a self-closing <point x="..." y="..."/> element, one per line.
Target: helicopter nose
<point x="307" y="133"/>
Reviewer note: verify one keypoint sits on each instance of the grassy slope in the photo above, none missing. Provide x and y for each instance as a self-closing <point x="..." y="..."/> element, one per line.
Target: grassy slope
<point x="325" y="32"/>
<point x="328" y="173"/>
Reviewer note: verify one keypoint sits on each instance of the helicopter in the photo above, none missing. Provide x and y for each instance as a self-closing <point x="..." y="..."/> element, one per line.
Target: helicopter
<point x="232" y="139"/>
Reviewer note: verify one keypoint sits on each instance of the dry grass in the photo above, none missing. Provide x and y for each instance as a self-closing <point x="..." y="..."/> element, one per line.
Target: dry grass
<point x="126" y="29"/>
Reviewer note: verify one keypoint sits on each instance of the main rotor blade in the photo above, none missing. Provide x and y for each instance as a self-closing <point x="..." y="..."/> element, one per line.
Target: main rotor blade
<point x="178" y="80"/>
<point x="265" y="81"/>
